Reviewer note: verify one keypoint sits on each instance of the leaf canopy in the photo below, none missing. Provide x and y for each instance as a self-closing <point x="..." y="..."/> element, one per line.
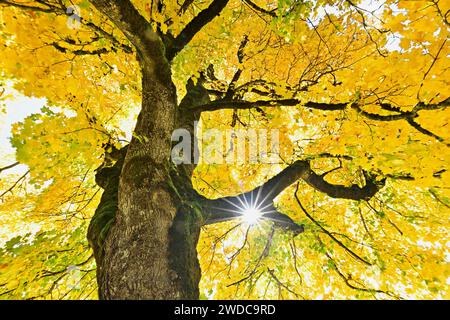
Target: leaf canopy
<point x="385" y="62"/>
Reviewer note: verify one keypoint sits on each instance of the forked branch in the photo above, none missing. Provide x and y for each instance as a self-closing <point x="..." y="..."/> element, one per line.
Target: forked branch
<point x="229" y="208"/>
<point x="194" y="26"/>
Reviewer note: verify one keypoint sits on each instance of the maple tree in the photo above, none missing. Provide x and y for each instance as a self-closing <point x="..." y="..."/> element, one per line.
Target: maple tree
<point x="358" y="205"/>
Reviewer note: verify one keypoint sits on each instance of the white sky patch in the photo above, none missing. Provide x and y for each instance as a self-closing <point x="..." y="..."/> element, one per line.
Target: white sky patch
<point x="18" y="107"/>
<point x="67" y="112"/>
<point x="393" y="42"/>
<point x="22" y="229"/>
<point x="374" y="6"/>
<point x="396" y="10"/>
<point x="322" y="12"/>
<point x="369" y="7"/>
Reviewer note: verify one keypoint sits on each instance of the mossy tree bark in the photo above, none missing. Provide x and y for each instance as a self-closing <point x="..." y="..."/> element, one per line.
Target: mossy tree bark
<point x="152" y="224"/>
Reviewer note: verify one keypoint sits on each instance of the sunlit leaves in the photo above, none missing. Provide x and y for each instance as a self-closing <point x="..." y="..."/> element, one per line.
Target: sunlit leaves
<point x="370" y="53"/>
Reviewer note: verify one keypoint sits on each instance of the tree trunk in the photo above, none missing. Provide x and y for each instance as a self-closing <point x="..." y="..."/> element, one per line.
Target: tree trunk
<point x="150" y="250"/>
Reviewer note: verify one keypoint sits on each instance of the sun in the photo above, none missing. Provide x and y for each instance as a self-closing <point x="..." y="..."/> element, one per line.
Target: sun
<point x="249" y="207"/>
<point x="251" y="215"/>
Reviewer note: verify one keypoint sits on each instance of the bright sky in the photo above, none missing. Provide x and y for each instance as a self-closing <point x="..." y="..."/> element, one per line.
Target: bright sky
<point x="18" y="107"/>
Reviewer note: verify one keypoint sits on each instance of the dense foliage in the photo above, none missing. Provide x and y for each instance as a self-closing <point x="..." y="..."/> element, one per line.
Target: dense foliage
<point x="353" y="86"/>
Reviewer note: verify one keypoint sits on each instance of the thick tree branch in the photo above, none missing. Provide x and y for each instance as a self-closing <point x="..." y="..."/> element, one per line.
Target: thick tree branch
<point x="353" y="192"/>
<point x="125" y="16"/>
<point x="421" y="129"/>
<point x="148" y="43"/>
<point x="409" y="116"/>
<point x="193" y="27"/>
<point x="284" y="222"/>
<point x="136" y="28"/>
<point x="243" y="105"/>
<point x="222" y="210"/>
<point x="229" y="208"/>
